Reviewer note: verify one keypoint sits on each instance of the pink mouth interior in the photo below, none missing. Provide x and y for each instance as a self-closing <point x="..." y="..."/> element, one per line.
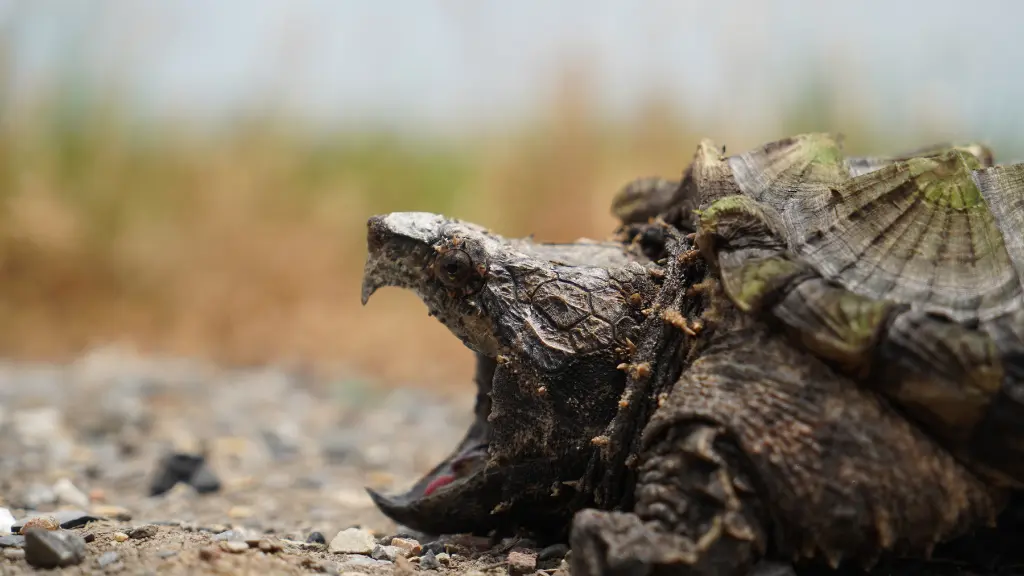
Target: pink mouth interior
<point x="438" y="482"/>
<point x="470" y="460"/>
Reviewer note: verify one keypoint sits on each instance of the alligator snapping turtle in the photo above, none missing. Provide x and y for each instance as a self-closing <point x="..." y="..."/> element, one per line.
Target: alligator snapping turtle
<point x="791" y="382"/>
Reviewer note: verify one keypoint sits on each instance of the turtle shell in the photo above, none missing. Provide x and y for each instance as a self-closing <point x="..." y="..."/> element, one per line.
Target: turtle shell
<point x="904" y="272"/>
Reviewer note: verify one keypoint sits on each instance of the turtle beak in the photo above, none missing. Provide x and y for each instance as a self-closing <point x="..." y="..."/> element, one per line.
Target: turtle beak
<point x="370" y="285"/>
<point x="381" y="267"/>
<point x="397" y="247"/>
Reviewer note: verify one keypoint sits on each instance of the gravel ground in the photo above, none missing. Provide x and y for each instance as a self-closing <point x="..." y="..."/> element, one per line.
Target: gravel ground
<point x="281" y="487"/>
<point x="287" y="455"/>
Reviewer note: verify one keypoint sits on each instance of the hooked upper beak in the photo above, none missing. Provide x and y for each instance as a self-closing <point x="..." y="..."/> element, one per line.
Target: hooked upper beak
<point x="370" y="285"/>
<point x="377" y="234"/>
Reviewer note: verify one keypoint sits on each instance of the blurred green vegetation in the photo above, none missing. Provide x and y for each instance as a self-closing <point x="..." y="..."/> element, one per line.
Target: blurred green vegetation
<point x="246" y="244"/>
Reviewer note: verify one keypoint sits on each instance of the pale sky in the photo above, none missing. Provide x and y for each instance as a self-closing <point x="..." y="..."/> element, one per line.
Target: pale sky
<point x="459" y="63"/>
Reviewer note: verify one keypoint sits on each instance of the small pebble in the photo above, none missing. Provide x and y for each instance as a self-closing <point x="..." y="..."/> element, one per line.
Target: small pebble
<point x="143" y="532"/>
<point x="353" y="541"/>
<point x="108" y="558"/>
<point x="521" y="562"/>
<point x="53" y="549"/>
<point x="444" y="558"/>
<point x="163" y="554"/>
<point x="237" y="535"/>
<point x="316" y="538"/>
<point x="68" y="493"/>
<point x="209" y="553"/>
<point x="270" y="546"/>
<point x="6" y="521"/>
<point x="429" y="561"/>
<point x="89" y="537"/>
<point x="388" y="553"/>
<point x="43" y="522"/>
<point x="408" y="546"/>
<point x="14" y="553"/>
<point x="234" y="546"/>
<point x="120" y="536"/>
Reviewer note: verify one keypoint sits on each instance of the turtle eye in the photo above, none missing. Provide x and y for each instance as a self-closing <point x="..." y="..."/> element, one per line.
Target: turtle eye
<point x="453" y="268"/>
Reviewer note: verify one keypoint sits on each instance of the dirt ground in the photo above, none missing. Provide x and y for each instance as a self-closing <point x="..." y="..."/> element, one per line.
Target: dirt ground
<point x="289" y="453"/>
<point x="292" y="453"/>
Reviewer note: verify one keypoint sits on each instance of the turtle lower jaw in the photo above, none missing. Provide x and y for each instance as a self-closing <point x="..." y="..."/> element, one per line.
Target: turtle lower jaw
<point x="450" y="498"/>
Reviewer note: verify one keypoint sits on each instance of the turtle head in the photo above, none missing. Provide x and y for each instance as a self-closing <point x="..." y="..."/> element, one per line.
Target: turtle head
<point x="550" y="324"/>
<point x="444" y="262"/>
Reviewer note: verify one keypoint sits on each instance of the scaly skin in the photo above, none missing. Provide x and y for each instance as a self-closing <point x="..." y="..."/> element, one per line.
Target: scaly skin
<point x="760" y="447"/>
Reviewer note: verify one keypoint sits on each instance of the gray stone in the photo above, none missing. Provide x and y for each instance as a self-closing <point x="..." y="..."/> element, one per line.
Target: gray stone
<point x="234" y="546"/>
<point x="231" y="535"/>
<point x="143" y="532"/>
<point x="53" y="549"/>
<point x="12" y="541"/>
<point x="388" y="553"/>
<point x="429" y="561"/>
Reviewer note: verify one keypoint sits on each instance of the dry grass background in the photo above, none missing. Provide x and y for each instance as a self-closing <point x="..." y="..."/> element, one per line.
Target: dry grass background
<point x="247" y="246"/>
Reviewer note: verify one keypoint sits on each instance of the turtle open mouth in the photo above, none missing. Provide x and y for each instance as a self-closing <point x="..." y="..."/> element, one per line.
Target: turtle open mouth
<point x="456" y="495"/>
<point x="546" y="376"/>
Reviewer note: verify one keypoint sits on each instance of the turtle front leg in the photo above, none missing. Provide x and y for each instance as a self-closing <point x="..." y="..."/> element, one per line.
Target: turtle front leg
<point x="696" y="513"/>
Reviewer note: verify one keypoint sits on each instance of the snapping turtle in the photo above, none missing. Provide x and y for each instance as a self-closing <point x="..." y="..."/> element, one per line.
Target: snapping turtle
<point x="792" y="382"/>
